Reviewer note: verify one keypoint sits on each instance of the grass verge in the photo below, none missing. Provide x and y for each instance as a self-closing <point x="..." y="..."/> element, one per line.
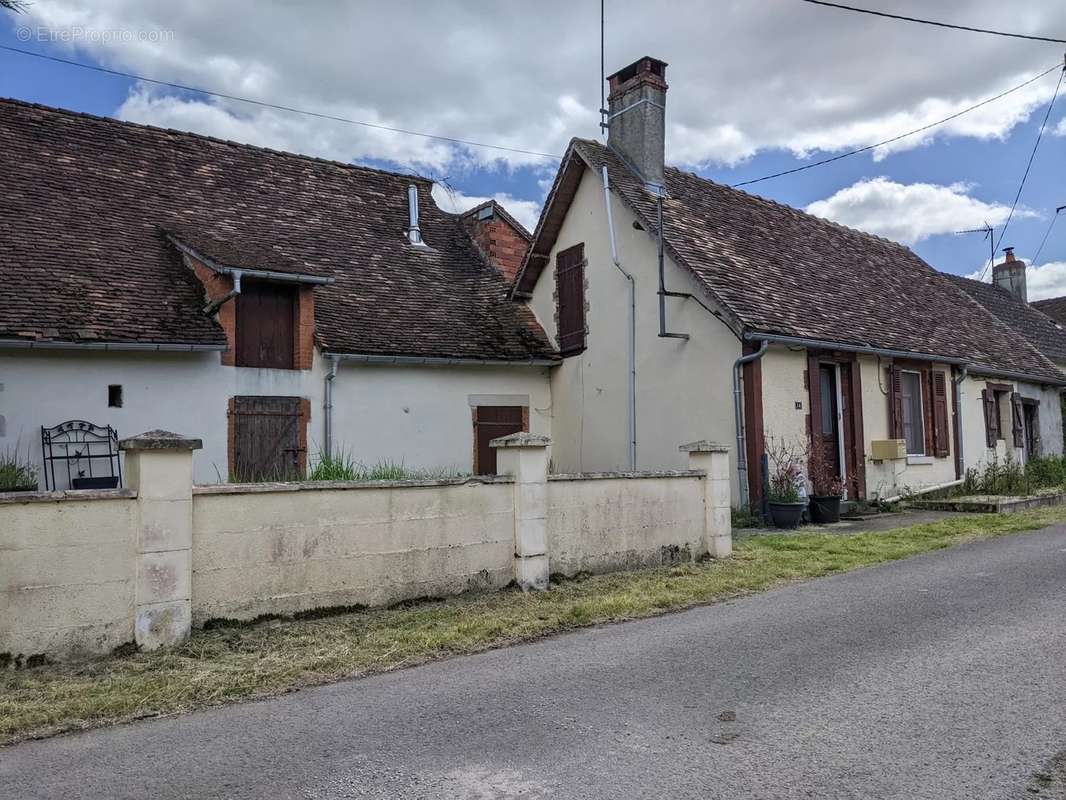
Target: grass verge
<point x="238" y="663"/>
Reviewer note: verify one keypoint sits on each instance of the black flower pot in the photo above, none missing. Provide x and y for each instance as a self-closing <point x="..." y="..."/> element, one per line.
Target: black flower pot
<point x="825" y="509"/>
<point x="786" y="515"/>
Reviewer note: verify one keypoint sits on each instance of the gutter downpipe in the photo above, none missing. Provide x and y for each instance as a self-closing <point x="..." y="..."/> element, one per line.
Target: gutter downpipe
<point x="632" y="321"/>
<point x="217" y="303"/>
<point x="957" y="399"/>
<point x="738" y="415"/>
<point x="327" y="406"/>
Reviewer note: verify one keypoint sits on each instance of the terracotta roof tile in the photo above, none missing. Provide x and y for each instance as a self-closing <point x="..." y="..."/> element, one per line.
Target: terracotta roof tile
<point x="83" y="200"/>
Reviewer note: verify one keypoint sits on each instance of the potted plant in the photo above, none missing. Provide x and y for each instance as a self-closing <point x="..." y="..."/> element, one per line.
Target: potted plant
<point x="16" y="475"/>
<point x="826" y="491"/>
<point x="786" y="484"/>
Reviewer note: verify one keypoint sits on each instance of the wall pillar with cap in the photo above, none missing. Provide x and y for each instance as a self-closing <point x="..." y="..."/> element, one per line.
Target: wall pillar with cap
<point x="525" y="457"/>
<point x="159" y="468"/>
<point x="713" y="459"/>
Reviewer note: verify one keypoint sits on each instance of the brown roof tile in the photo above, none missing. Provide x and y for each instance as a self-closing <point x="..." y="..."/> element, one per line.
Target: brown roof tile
<point x="83" y="200"/>
<point x="778" y="270"/>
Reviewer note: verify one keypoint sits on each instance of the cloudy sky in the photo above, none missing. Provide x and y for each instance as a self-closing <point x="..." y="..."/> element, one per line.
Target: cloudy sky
<point x="755" y="87"/>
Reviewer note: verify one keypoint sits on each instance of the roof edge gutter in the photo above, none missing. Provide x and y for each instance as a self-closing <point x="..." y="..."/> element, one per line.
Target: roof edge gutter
<point x="978" y="369"/>
<point x="265" y="274"/>
<point x="402" y="361"/>
<point x="31" y="344"/>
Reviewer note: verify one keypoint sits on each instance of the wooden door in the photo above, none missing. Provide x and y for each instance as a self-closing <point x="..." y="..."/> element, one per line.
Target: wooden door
<point x="853" y="453"/>
<point x="829" y="428"/>
<point x="491" y="422"/>
<point x="267" y="441"/>
<point x="265" y="325"/>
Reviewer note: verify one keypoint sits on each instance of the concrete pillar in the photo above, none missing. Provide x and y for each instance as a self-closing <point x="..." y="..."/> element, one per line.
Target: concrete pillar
<point x="159" y="468"/>
<point x="525" y="456"/>
<point x="713" y="459"/>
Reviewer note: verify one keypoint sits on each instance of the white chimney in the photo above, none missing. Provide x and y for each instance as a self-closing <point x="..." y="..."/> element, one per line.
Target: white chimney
<point x="414" y="233"/>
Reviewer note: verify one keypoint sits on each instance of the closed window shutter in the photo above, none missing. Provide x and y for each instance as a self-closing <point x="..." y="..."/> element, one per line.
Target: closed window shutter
<point x="941" y="448"/>
<point x="988" y="401"/>
<point x="1017" y="423"/>
<point x="570" y="286"/>
<point x="895" y="404"/>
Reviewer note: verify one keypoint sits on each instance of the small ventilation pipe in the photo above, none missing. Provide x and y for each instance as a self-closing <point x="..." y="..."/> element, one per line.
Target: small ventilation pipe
<point x="738" y="415"/>
<point x="632" y="432"/>
<point x="217" y="303"/>
<point x="327" y="407"/>
<point x="414" y="233"/>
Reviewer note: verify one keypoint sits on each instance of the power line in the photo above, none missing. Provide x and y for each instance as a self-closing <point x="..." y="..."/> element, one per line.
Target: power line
<point x="956" y="115"/>
<point x="1025" y="174"/>
<point x="1047" y="233"/>
<point x="932" y="22"/>
<point x="276" y="106"/>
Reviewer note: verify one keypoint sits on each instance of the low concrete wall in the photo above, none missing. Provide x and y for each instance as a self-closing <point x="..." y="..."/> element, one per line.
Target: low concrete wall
<point x="607" y="521"/>
<point x="84" y="572"/>
<point x="67" y="574"/>
<point x="280" y="549"/>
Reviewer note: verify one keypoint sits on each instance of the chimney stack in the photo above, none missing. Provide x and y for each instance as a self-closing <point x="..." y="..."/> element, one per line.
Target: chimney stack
<point x="1010" y="275"/>
<point x="636" y="123"/>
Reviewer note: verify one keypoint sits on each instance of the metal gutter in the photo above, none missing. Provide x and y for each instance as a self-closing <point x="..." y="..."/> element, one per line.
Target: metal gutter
<point x="327" y="405"/>
<point x="822" y="344"/>
<point x="265" y="274"/>
<point x="400" y="361"/>
<point x="957" y="400"/>
<point x="738" y="418"/>
<point x="632" y="325"/>
<point x="30" y="344"/>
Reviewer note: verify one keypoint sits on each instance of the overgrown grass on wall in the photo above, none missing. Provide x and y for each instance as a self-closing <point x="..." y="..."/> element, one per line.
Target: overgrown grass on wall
<point x="1010" y="477"/>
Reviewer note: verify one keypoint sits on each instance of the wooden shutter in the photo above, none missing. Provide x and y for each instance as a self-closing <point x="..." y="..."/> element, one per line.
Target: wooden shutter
<point x="895" y="403"/>
<point x="266" y="438"/>
<point x="491" y="422"/>
<point x="941" y="434"/>
<point x="570" y="289"/>
<point x="265" y="325"/>
<point x="1017" y="420"/>
<point x="988" y="401"/>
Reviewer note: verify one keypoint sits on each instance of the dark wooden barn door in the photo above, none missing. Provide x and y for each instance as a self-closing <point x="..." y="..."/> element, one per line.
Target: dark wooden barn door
<point x="266" y="438"/>
<point x="265" y="319"/>
<point x="491" y="422"/>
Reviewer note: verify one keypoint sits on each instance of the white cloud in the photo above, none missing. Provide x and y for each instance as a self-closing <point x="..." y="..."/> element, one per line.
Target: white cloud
<point x="453" y="201"/>
<point x="783" y="75"/>
<point x="1060" y="129"/>
<point x="910" y="212"/>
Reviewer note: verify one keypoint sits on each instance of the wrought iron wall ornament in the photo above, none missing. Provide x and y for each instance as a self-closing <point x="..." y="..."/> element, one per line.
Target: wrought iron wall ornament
<point x="88" y="452"/>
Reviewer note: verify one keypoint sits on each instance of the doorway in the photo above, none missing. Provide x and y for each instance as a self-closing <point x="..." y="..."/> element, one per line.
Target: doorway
<point x="836" y="421"/>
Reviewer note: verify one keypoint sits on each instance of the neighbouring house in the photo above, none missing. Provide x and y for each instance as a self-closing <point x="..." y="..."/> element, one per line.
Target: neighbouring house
<point x="686" y="309"/>
<point x="275" y="305"/>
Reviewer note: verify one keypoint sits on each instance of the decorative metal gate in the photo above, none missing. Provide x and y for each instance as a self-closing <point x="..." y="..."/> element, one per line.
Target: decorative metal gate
<point x="86" y="453"/>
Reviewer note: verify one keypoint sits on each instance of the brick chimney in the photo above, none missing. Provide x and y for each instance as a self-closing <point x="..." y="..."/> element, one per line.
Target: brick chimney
<point x="500" y="237"/>
<point x="1010" y="275"/>
<point x="636" y="125"/>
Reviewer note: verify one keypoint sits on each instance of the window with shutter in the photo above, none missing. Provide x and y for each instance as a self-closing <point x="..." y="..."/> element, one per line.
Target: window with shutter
<point x="895" y="403"/>
<point x="1017" y="420"/>
<point x="991" y="409"/>
<point x="941" y="429"/>
<point x="570" y="289"/>
<point x="266" y="314"/>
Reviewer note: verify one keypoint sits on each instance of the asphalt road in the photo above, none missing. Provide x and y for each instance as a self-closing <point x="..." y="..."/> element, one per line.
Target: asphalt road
<point x="943" y="676"/>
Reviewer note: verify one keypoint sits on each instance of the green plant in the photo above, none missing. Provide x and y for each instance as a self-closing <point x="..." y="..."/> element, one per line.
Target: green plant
<point x="334" y="467"/>
<point x="746" y="517"/>
<point x="16" y="474"/>
<point x="786" y="470"/>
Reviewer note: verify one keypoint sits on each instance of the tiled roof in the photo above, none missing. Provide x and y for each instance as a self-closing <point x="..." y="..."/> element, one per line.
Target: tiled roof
<point x="84" y="202"/>
<point x="776" y="270"/>
<point x="1040" y="329"/>
<point x="1054" y="307"/>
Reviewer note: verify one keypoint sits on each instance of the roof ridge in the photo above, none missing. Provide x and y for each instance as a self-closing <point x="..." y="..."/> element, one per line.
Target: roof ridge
<point x="14" y="101"/>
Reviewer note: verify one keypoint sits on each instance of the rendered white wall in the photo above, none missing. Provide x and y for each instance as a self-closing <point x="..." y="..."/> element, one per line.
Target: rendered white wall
<point x="418" y="415"/>
<point x="683" y="387"/>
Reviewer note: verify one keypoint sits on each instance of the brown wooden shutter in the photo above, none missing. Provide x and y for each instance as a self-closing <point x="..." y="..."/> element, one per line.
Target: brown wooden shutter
<point x="941" y="430"/>
<point x="988" y="401"/>
<point x="1017" y="419"/>
<point x="267" y="440"/>
<point x="895" y="403"/>
<point x="492" y="422"/>
<point x="266" y="314"/>
<point x="570" y="288"/>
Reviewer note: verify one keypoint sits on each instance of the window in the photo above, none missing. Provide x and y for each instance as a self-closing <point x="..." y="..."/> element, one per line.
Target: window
<point x="114" y="396"/>
<point x="913" y="412"/>
<point x="570" y="290"/>
<point x="266" y="314"/>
